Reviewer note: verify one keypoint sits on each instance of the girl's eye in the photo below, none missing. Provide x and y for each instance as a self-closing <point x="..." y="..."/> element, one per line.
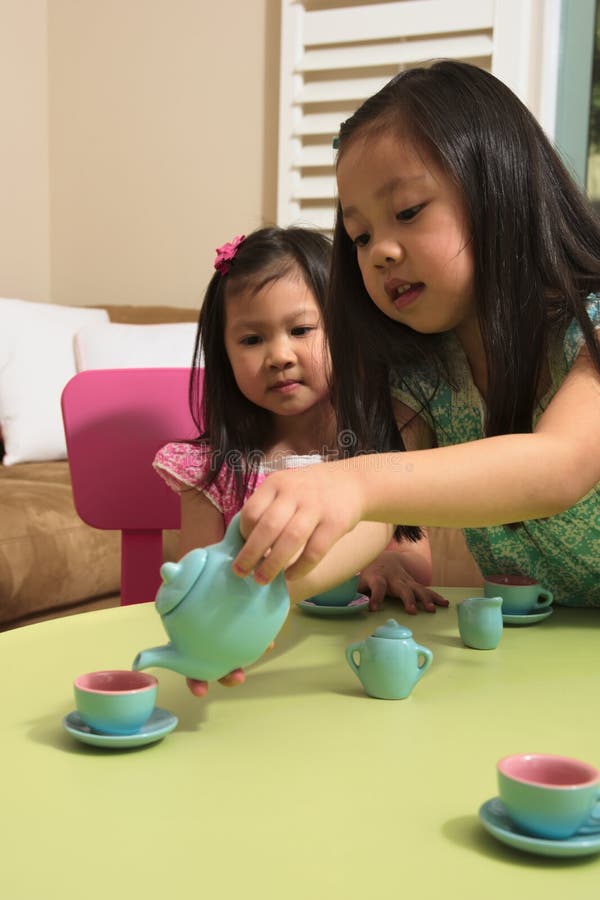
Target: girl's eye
<point x="407" y="214"/>
<point x="250" y="340"/>
<point x="301" y="330"/>
<point x="361" y="241"/>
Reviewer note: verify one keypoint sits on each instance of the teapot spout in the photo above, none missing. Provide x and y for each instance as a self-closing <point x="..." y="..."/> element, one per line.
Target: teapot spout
<point x="166" y="657"/>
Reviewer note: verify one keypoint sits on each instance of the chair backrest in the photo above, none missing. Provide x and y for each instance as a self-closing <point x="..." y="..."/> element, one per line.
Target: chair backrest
<point x="115" y="420"/>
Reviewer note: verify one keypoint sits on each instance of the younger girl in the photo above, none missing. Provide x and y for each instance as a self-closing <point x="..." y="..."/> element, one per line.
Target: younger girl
<point x="265" y="403"/>
<point x="464" y="271"/>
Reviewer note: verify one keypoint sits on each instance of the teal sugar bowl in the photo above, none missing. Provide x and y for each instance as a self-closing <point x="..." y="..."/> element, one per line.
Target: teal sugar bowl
<point x="390" y="662"/>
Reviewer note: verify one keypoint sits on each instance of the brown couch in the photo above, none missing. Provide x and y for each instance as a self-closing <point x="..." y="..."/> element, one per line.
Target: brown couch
<point x="52" y="563"/>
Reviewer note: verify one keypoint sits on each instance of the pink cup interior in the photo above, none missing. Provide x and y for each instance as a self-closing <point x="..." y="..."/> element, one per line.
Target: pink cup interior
<point x="516" y="580"/>
<point x="548" y="771"/>
<point x="115" y="681"/>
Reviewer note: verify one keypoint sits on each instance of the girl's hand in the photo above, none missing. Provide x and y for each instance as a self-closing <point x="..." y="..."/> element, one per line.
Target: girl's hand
<point x="237" y="676"/>
<point x="387" y="576"/>
<point x="200" y="688"/>
<point x="296" y="516"/>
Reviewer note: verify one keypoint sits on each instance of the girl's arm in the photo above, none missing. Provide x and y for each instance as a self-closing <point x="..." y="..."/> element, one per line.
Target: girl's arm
<point x="349" y="555"/>
<point x="492" y="481"/>
<point x="394" y="572"/>
<point x="404" y="569"/>
<point x="201" y="522"/>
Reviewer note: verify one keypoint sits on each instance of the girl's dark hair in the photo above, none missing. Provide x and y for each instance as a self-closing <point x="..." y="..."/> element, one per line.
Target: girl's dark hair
<point x="535" y="243"/>
<point x="236" y="429"/>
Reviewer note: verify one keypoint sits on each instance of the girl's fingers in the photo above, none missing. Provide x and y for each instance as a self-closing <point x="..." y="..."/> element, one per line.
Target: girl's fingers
<point x="292" y="519"/>
<point x="200" y="688"/>
<point x="238" y="676"/>
<point x="322" y="538"/>
<point x="413" y="595"/>
<point x="427" y="604"/>
<point x="262" y="540"/>
<point x="291" y="545"/>
<point x="197" y="688"/>
<point x="377" y="587"/>
<point x="407" y="597"/>
<point x="290" y="537"/>
<point x="437" y="598"/>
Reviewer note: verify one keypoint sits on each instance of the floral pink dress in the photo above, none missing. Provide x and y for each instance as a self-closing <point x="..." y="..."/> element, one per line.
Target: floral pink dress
<point x="185" y="466"/>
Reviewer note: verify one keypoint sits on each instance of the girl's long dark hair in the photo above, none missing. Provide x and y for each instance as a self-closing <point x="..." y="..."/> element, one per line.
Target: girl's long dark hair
<point x="235" y="429"/>
<point x="535" y="242"/>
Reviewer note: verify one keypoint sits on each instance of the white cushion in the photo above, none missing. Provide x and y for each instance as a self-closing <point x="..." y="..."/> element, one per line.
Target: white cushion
<point x="36" y="361"/>
<point x="116" y="346"/>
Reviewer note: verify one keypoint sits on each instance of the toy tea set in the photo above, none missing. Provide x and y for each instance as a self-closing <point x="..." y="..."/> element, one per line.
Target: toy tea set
<point x="208" y="638"/>
<point x="547" y="805"/>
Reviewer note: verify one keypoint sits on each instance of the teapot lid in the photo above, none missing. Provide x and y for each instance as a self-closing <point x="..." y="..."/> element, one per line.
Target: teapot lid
<point x="391" y="629"/>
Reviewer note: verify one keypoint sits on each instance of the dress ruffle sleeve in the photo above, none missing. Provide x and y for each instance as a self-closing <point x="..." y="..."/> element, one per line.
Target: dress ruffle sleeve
<point x="185" y="466"/>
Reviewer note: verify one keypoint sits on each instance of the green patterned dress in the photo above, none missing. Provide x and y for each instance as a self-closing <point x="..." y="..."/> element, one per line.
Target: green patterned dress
<point x="562" y="552"/>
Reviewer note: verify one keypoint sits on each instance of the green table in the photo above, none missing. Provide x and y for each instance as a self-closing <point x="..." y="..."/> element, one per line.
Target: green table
<point x="296" y="785"/>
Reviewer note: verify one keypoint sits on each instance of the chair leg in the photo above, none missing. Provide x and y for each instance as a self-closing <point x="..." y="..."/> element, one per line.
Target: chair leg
<point x="141" y="559"/>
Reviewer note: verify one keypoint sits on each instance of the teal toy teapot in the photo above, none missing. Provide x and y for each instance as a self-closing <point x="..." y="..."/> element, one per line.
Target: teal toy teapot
<point x="390" y="661"/>
<point x="215" y="620"/>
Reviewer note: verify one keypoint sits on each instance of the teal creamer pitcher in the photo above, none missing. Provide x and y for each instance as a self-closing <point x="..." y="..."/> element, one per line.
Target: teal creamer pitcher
<point x="480" y="622"/>
<point x="215" y="620"/>
<point x="390" y="661"/>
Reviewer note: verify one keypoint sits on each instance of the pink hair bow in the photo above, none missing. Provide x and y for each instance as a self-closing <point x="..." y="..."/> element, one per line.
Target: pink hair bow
<point x="226" y="254"/>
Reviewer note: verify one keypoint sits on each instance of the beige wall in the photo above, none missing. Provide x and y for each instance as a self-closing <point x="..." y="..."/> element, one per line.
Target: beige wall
<point x="161" y="141"/>
<point x="24" y="213"/>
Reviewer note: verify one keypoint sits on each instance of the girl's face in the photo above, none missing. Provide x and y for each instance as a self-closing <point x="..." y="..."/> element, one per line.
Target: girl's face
<point x="407" y="222"/>
<point x="276" y="346"/>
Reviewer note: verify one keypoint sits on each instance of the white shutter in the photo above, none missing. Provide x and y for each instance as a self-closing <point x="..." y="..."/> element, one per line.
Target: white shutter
<point x="334" y="56"/>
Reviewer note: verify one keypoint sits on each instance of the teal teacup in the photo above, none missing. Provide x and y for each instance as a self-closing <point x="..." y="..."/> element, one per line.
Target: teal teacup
<point x="550" y="796"/>
<point x="520" y="594"/>
<point x="115" y="701"/>
<point x="340" y="595"/>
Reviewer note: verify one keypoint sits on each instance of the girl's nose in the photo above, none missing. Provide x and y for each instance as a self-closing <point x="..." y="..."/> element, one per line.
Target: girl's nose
<point x="386" y="251"/>
<point x="280" y="354"/>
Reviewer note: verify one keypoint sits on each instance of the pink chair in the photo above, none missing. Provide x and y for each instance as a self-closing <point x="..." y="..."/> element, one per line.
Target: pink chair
<point x="115" y="420"/>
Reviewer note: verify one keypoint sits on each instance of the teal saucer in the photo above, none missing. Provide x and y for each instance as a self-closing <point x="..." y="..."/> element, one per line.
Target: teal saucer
<point x="526" y="618"/>
<point x="495" y="820"/>
<point x="160" y="723"/>
<point x="357" y="605"/>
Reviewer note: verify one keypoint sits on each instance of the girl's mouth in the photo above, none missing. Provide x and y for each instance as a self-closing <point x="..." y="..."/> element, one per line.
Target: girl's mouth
<point x="402" y="293"/>
<point x="284" y="387"/>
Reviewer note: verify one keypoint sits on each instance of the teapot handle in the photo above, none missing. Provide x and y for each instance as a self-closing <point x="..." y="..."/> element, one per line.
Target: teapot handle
<point x="427" y="660"/>
<point x="350" y="651"/>
<point x="233" y="536"/>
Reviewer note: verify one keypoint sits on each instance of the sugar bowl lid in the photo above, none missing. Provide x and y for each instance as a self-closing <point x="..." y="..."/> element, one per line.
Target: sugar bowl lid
<point x="391" y="629"/>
